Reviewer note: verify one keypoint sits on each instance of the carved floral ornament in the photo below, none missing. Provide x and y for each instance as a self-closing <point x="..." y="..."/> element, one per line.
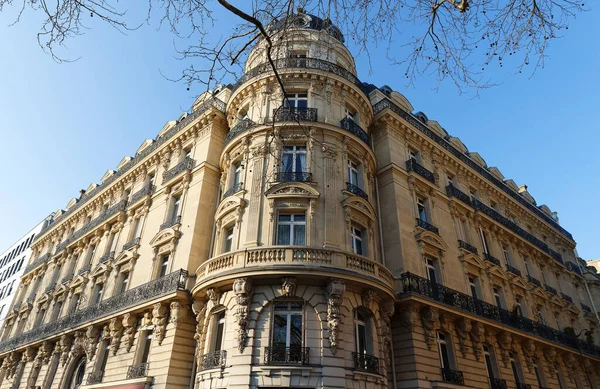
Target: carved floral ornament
<point x="242" y="288"/>
<point x="335" y="293"/>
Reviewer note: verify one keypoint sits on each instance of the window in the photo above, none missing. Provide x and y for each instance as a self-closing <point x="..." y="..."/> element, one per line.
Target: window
<point x="474" y="194"/>
<point x="490" y="365"/>
<point x="56" y="311"/>
<point x="474" y="286"/>
<point x="98" y="293"/>
<point x="497" y="296"/>
<point x="74" y="303"/>
<point x="430" y="265"/>
<point x="350" y="114"/>
<point x="237" y="174"/>
<point x="526" y="263"/>
<point x="287" y="332"/>
<point x="560" y="378"/>
<point x="450" y="179"/>
<point x="76" y="378"/>
<point x="91" y="252"/>
<point x="353" y="173"/>
<point x="291" y="229"/>
<point x="484" y="241"/>
<point x="445" y="351"/>
<point x="146" y="346"/>
<point x="362" y="333"/>
<point x="105" y="351"/>
<point x="137" y="228"/>
<point x="516" y="367"/>
<point x="296" y="100"/>
<point x="356" y="236"/>
<point x="518" y="309"/>
<point x="506" y="254"/>
<point x="414" y="155"/>
<point x="539" y="373"/>
<point x="187" y="153"/>
<point x="219" y="331"/>
<point x="293" y="161"/>
<point x="113" y="242"/>
<point x="175" y="207"/>
<point x="124" y="282"/>
<point x="163" y="266"/>
<point x="228" y="239"/>
<point x="151" y="178"/>
<point x="422" y="209"/>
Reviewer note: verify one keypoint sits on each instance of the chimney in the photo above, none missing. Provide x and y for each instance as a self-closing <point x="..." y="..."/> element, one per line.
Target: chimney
<point x="81" y="193"/>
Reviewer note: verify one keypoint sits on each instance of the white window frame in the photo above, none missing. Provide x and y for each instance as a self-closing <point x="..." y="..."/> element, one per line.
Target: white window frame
<point x="484" y="241"/>
<point x="430" y="264"/>
<point x="292" y="223"/>
<point x="219" y="321"/>
<point x="288" y="314"/>
<point x="422" y="205"/>
<point x="445" y="339"/>
<point x="353" y="170"/>
<point x="356" y="235"/>
<point x="366" y="324"/>
<point x="295" y="98"/>
<point x="228" y="233"/>
<point x="473" y="286"/>
<point x="295" y="151"/>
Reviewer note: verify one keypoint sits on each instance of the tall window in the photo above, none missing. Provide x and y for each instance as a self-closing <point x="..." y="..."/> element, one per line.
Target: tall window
<point x="484" y="241"/>
<point x="219" y="331"/>
<point x="516" y="368"/>
<point x="228" y="239"/>
<point x="413" y="155"/>
<point x="353" y="173"/>
<point x="91" y="254"/>
<point x="526" y="263"/>
<point x="431" y="270"/>
<point x="518" y="310"/>
<point x="163" y="266"/>
<point x="474" y="286"/>
<point x="76" y="378"/>
<point x="422" y="209"/>
<point x="506" y="254"/>
<point x="124" y="282"/>
<point x="56" y="312"/>
<point x="349" y="114"/>
<point x="497" y="296"/>
<point x="356" y="235"/>
<point x="445" y="351"/>
<point x="490" y="365"/>
<point x="113" y="242"/>
<point x="539" y="373"/>
<point x="137" y="228"/>
<point x="237" y="174"/>
<point x="287" y="331"/>
<point x="175" y="207"/>
<point x="362" y="332"/>
<point x="291" y="229"/>
<point x="560" y="378"/>
<point x="98" y="293"/>
<point x="296" y="100"/>
<point x="105" y="351"/>
<point x="74" y="303"/>
<point x="293" y="161"/>
<point x="146" y="346"/>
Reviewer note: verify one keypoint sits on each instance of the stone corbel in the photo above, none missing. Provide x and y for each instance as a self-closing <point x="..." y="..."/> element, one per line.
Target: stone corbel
<point x="335" y="293"/>
<point x="368" y="297"/>
<point x="213" y="296"/>
<point x="91" y="341"/>
<point x="129" y="321"/>
<point x="116" y="330"/>
<point x="65" y="343"/>
<point x="477" y="336"/>
<point x="430" y="318"/>
<point x="159" y="320"/>
<point x="550" y="354"/>
<point x="386" y="311"/>
<point x="242" y="288"/>
<point x="179" y="312"/>
<point x="505" y="342"/>
<point x="199" y="309"/>
<point x="463" y="327"/>
<point x="571" y="363"/>
<point x="528" y="347"/>
<point x="409" y="316"/>
<point x="288" y="286"/>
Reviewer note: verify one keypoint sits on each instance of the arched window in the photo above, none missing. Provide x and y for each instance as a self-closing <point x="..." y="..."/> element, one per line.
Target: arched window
<point x="76" y="378"/>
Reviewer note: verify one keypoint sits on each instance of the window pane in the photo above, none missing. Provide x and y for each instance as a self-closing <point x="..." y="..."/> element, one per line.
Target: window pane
<point x="279" y="330"/>
<point x="445" y="358"/>
<point x="299" y="218"/>
<point x="219" y="337"/>
<point x="296" y="330"/>
<point x="300" y="162"/>
<point x="358" y="247"/>
<point x="285" y="218"/>
<point x="361" y="339"/>
<point x="287" y="162"/>
<point x="300" y="235"/>
<point x="283" y="234"/>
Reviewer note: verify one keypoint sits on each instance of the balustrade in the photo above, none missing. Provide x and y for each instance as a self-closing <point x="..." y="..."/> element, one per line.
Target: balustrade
<point x="137" y="371"/>
<point x="213" y="359"/>
<point x="534" y="281"/>
<point x="295" y="114"/>
<point x="466" y="246"/>
<point x="426" y="226"/>
<point x="513" y="270"/>
<point x="491" y="259"/>
<point x="355" y="190"/>
<point x="413" y="166"/>
<point x="453" y="376"/>
<point x="171" y="223"/>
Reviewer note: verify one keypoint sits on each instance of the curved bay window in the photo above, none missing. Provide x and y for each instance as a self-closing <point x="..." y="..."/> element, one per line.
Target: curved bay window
<point x="363" y="333"/>
<point x="287" y="335"/>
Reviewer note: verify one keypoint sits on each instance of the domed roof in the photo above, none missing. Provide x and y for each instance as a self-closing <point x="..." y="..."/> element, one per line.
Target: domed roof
<point x="308" y="21"/>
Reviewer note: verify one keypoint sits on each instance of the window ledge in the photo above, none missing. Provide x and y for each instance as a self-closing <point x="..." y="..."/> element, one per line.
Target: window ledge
<point x="366" y="375"/>
<point x="131" y="383"/>
<point x="305" y="369"/>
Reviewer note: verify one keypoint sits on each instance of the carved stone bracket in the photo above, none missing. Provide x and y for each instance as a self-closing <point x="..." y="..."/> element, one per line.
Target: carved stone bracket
<point x="91" y="341"/>
<point x="335" y="293"/>
<point x="463" y="327"/>
<point x="116" y="330"/>
<point x="528" y="347"/>
<point x="242" y="288"/>
<point x="159" y="320"/>
<point x="179" y="313"/>
<point x="505" y="343"/>
<point x="386" y="311"/>
<point x="477" y="336"/>
<point x="368" y="297"/>
<point x="430" y="317"/>
<point x="65" y="343"/>
<point x="288" y="286"/>
<point x="199" y="309"/>
<point x="129" y="321"/>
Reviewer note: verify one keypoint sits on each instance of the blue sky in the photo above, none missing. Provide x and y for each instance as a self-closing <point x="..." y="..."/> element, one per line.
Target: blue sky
<point x="65" y="124"/>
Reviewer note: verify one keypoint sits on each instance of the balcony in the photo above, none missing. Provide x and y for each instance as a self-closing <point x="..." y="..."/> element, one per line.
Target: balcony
<point x="84" y="269"/>
<point x="567" y="298"/>
<point x="293" y="177"/>
<point x="355" y="190"/>
<point x="521" y="385"/>
<point x="426" y="226"/>
<point x="534" y="281"/>
<point x="241" y="127"/>
<point x="234" y="189"/>
<point x="277" y="259"/>
<point x="185" y="165"/>
<point x="295" y="114"/>
<point x="131" y="244"/>
<point x="513" y="270"/>
<point x="416" y="285"/>
<point x="555" y="255"/>
<point x="452" y="191"/>
<point x="353" y="127"/>
<point x="213" y="360"/>
<point x="173" y="222"/>
<point x="144" y="293"/>
<point x="413" y="166"/>
<point x="142" y="193"/>
<point x="366" y="363"/>
<point x="50" y="288"/>
<point x="281" y="355"/>
<point x="586" y="308"/>
<point x="41" y="260"/>
<point x="137" y="371"/>
<point x="107" y="257"/>
<point x="491" y="259"/>
<point x="466" y="246"/>
<point x="550" y="289"/>
<point x="66" y="279"/>
<point x="453" y="377"/>
<point x="94" y="377"/>
<point x="497" y="383"/>
<point x="573" y="267"/>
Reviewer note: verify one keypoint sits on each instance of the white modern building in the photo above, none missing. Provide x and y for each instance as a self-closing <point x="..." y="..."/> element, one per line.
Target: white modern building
<point x="12" y="265"/>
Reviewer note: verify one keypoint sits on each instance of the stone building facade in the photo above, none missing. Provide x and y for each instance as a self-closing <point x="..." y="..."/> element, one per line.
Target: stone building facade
<point x="316" y="236"/>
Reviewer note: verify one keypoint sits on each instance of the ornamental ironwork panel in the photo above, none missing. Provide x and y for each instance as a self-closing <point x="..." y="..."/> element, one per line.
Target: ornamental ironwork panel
<point x="426" y="226"/>
<point x="187" y="164"/>
<point x="295" y="114"/>
<point x="413" y="166"/>
<point x="41" y="260"/>
<point x="213" y="360"/>
<point x="84" y="269"/>
<point x="234" y="189"/>
<point x="131" y="244"/>
<point x="365" y="362"/>
<point x="94" y="377"/>
<point x="387" y="103"/>
<point x="513" y="270"/>
<point x="464" y="245"/>
<point x="135" y="296"/>
<point x="497" y="383"/>
<point x="566" y="297"/>
<point x="279" y="355"/>
<point x="352" y="127"/>
<point x="573" y="267"/>
<point x="293" y="177"/>
<point x="67" y="278"/>
<point x="50" y="288"/>
<point x="241" y="127"/>
<point x="138" y="371"/>
<point x="171" y="222"/>
<point x="140" y="194"/>
<point x="491" y="259"/>
<point x="586" y="308"/>
<point x="453" y="376"/>
<point x="534" y="281"/>
<point x="107" y="257"/>
<point x="452" y="191"/>
<point x="355" y="190"/>
<point x="550" y="289"/>
<point x="555" y="255"/>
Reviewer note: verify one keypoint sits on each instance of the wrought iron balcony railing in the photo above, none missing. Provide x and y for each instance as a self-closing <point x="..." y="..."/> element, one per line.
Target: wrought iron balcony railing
<point x="365" y="362"/>
<point x="140" y="194"/>
<point x="171" y="223"/>
<point x="213" y="360"/>
<point x="550" y="289"/>
<point x="513" y="270"/>
<point x="293" y="177"/>
<point x="452" y="191"/>
<point x="131" y="244"/>
<point x="566" y="298"/>
<point x="187" y="164"/>
<point x="555" y="255"/>
<point x="133" y="297"/>
<point x="413" y="284"/>
<point x="521" y="385"/>
<point x="354" y="189"/>
<point x="353" y="127"/>
<point x="426" y="226"/>
<point x="488" y="257"/>
<point x="573" y="267"/>
<point x="138" y="371"/>
<point x="67" y="278"/>
<point x="107" y="257"/>
<point x="31" y="298"/>
<point x="50" y="288"/>
<point x="234" y="189"/>
<point x="281" y="355"/>
<point x="497" y="383"/>
<point x="413" y="166"/>
<point x="41" y="260"/>
<point x="241" y="127"/>
<point x="586" y="308"/>
<point x="466" y="246"/>
<point x="295" y="114"/>
<point x="453" y="376"/>
<point x="534" y="281"/>
<point x="84" y="269"/>
<point x="94" y="377"/>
